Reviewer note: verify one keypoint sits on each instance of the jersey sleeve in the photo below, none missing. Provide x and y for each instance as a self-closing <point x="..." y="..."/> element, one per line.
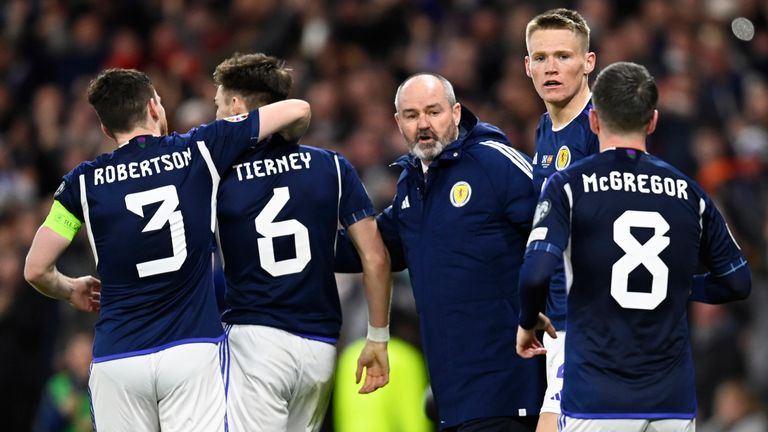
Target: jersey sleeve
<point x="354" y="203"/>
<point x="68" y="194"/>
<point x="552" y="221"/>
<point x="227" y="138"/>
<point x="718" y="251"/>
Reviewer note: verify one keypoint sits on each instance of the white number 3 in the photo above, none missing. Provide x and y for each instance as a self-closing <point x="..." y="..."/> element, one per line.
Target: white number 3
<point x="167" y="212"/>
<point x="640" y="254"/>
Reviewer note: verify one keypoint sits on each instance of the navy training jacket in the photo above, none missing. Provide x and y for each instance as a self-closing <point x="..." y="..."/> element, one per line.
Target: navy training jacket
<point x="461" y="230"/>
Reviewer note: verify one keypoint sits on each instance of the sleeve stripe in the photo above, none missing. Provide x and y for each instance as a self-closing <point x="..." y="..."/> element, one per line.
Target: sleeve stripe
<point x="338" y="202"/>
<point x="511" y="151"/>
<point x="214" y="179"/>
<point x="87" y="217"/>
<point x="513" y="155"/>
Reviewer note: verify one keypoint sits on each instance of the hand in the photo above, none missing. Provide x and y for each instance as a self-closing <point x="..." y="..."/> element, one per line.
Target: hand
<point x="86" y="294"/>
<point x="528" y="345"/>
<point x="375" y="360"/>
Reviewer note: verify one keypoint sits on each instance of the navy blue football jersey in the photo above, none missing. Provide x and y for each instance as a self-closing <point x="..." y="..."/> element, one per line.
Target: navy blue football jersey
<point x="556" y="149"/>
<point x="280" y="206"/>
<point x="632" y="231"/>
<point x="149" y="208"/>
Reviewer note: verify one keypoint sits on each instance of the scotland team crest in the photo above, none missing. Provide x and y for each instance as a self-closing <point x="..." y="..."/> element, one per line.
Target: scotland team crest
<point x="563" y="158"/>
<point x="460" y="194"/>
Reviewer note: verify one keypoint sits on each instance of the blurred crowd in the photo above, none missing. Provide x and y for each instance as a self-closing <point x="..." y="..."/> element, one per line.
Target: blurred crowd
<point x="347" y="57"/>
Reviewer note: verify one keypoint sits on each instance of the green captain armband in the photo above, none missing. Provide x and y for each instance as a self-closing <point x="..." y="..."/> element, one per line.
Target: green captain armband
<point x="61" y="221"/>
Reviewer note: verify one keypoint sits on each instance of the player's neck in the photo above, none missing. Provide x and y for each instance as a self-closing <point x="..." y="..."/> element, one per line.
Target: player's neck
<point x="612" y="141"/>
<point x="122" y="138"/>
<point x="562" y="115"/>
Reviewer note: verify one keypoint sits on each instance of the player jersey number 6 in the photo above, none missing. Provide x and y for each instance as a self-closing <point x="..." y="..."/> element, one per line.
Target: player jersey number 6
<point x="167" y="212"/>
<point x="267" y="227"/>
<point x="637" y="254"/>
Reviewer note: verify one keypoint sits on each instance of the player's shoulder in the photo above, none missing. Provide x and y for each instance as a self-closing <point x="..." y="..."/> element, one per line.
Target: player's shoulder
<point x="499" y="155"/>
<point x="672" y="171"/>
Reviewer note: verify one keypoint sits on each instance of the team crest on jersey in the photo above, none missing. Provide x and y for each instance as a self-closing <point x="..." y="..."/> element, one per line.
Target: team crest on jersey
<point x="542" y="210"/>
<point x="59" y="190"/>
<point x="461" y="192"/>
<point x="236" y="118"/>
<point x="546" y="161"/>
<point x="563" y="158"/>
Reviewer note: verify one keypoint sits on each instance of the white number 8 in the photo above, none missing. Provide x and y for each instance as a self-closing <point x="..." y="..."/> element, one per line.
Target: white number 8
<point x="640" y="254"/>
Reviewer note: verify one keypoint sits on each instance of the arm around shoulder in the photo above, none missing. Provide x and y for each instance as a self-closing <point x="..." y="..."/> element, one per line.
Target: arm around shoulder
<point x="288" y="117"/>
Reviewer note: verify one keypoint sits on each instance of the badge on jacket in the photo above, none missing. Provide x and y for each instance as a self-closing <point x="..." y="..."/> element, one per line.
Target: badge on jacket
<point x="460" y="194"/>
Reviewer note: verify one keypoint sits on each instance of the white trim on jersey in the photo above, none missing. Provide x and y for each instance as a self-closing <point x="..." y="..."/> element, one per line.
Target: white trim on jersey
<point x="338" y="201"/>
<point x="567" y="265"/>
<point x="702" y="207"/>
<point x="214" y="179"/>
<point x="87" y="217"/>
<point x="513" y="155"/>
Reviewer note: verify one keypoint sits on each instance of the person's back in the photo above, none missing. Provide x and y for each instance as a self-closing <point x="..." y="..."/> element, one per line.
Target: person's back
<point x="637" y="226"/>
<point x="278" y="215"/>
<point x="279" y="207"/>
<point x="146" y="205"/>
<point x="632" y="231"/>
<point x="149" y="209"/>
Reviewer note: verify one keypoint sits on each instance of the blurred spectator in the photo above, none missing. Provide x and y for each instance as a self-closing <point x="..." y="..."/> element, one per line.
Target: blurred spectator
<point x="736" y="410"/>
<point x="66" y="405"/>
<point x="347" y="57"/>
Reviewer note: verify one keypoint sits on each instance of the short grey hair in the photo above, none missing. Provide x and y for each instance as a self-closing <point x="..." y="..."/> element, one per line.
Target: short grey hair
<point x="447" y="87"/>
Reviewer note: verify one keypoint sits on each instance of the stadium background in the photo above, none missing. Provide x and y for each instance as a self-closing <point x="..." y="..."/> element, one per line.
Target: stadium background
<point x="347" y="58"/>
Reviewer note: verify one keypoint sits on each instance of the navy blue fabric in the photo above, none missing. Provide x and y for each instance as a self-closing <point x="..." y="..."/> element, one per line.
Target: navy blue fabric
<point x="139" y="314"/>
<point x="571" y="143"/>
<point x="304" y="300"/>
<point x="634" y="229"/>
<point x="464" y="257"/>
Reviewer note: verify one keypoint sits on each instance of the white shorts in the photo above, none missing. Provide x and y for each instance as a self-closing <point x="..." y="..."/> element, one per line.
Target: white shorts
<point x="176" y="389"/>
<point x="277" y="381"/>
<point x="555" y="361"/>
<point x="570" y="424"/>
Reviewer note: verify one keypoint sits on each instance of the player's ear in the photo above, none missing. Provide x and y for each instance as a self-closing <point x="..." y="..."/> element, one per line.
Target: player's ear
<point x="107" y="132"/>
<point x="528" y="66"/>
<point x="652" y="124"/>
<point x="589" y="63"/>
<point x="594" y="122"/>
<point x="152" y="109"/>
<point x="237" y="105"/>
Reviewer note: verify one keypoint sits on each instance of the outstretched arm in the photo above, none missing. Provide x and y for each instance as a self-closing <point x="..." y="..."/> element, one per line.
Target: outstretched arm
<point x="534" y="285"/>
<point x="378" y="289"/>
<point x="708" y="288"/>
<point x="41" y="272"/>
<point x="288" y="117"/>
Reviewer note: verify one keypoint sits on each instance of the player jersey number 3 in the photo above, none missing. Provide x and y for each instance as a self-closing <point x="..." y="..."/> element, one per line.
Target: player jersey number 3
<point x="637" y="254"/>
<point x="167" y="212"/>
<point x="269" y="229"/>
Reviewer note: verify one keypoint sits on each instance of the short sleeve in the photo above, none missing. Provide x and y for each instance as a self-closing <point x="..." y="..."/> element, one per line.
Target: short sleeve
<point x="227" y="138"/>
<point x="354" y="204"/>
<point x="68" y="194"/>
<point x="551" y="219"/>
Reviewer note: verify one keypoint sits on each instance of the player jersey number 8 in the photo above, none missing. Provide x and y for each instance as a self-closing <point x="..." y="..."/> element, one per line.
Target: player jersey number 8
<point x="267" y="227"/>
<point x="167" y="212"/>
<point x="637" y="254"/>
